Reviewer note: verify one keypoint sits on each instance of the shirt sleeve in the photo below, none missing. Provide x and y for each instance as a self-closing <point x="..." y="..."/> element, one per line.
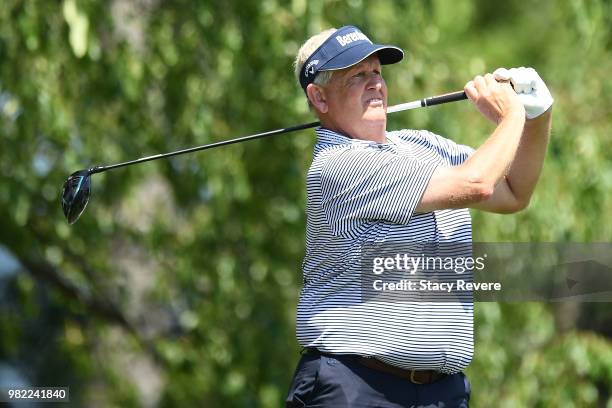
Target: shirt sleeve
<point x="451" y="152"/>
<point x="363" y="185"/>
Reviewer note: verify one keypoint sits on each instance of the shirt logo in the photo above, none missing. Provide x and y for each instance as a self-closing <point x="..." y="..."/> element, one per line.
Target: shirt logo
<point x="310" y="68"/>
<point x="351" y="37"/>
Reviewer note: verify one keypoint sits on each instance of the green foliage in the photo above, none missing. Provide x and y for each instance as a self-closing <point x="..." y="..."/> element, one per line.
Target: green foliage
<point x="178" y="285"/>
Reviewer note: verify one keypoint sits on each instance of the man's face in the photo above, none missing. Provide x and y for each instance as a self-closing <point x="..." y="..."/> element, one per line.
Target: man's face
<point x="357" y="99"/>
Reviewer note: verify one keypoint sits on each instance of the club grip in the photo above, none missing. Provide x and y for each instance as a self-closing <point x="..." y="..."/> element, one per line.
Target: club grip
<point x="449" y="97"/>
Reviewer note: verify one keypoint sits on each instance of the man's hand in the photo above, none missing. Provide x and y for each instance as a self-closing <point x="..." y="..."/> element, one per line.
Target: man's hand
<point x="495" y="100"/>
<point x="530" y="88"/>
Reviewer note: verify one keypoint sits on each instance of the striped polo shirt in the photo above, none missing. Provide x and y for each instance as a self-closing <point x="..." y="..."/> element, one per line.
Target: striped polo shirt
<point x="362" y="192"/>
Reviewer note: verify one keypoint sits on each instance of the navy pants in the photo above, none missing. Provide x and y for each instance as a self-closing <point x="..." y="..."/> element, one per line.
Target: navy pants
<point x="326" y="381"/>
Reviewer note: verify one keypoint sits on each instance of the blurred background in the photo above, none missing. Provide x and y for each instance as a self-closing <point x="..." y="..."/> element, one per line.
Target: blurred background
<point x="178" y="285"/>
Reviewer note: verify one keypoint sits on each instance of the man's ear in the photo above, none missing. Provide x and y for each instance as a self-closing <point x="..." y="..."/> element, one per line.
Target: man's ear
<point x="317" y="98"/>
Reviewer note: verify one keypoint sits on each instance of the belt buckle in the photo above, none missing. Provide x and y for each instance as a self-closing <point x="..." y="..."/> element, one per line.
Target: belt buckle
<point x="412" y="379"/>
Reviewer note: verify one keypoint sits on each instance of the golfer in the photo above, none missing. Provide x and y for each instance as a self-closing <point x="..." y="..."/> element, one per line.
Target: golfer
<point x="367" y="184"/>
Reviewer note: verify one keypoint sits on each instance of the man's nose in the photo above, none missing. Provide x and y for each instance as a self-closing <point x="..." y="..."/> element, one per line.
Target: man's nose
<point x="376" y="82"/>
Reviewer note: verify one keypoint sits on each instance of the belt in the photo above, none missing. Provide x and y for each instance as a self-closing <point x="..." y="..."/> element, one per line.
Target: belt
<point x="414" y="376"/>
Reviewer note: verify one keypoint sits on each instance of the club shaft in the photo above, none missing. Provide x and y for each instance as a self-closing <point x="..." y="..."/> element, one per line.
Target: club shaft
<point x="433" y="100"/>
<point x="100" y="169"/>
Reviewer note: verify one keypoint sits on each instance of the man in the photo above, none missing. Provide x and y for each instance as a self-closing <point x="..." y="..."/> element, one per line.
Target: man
<point x="368" y="185"/>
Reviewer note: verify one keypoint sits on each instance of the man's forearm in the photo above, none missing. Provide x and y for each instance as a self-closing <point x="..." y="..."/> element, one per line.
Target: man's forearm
<point x="527" y="165"/>
<point x="493" y="159"/>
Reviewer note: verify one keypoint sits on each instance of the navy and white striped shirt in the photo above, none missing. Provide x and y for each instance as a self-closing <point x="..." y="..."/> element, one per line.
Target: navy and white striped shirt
<point x="361" y="192"/>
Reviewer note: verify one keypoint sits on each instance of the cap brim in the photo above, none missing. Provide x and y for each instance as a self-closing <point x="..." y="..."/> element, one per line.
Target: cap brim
<point x="388" y="54"/>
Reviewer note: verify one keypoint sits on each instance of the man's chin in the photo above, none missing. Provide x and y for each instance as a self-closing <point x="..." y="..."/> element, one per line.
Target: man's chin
<point x="375" y="115"/>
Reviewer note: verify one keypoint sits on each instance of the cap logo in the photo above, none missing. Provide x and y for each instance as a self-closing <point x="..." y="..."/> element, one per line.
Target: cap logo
<point x="346" y="39"/>
<point x="310" y="68"/>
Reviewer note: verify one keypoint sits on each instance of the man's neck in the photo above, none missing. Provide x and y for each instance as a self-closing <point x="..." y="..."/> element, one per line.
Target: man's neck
<point x="374" y="132"/>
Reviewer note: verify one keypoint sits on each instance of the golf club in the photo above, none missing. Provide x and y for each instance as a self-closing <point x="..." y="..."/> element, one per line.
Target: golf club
<point x="77" y="188"/>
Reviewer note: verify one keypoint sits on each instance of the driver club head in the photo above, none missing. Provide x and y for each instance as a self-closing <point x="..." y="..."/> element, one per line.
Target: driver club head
<point x="75" y="194"/>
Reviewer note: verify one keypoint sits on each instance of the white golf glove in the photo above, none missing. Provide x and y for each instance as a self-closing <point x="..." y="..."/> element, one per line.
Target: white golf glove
<point x="530" y="88"/>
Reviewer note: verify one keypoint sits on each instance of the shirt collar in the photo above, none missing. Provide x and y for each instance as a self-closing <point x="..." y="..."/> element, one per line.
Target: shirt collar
<point x="327" y="136"/>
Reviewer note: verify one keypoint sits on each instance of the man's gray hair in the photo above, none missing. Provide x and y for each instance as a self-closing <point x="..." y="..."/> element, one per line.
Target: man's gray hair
<point x="323" y="77"/>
